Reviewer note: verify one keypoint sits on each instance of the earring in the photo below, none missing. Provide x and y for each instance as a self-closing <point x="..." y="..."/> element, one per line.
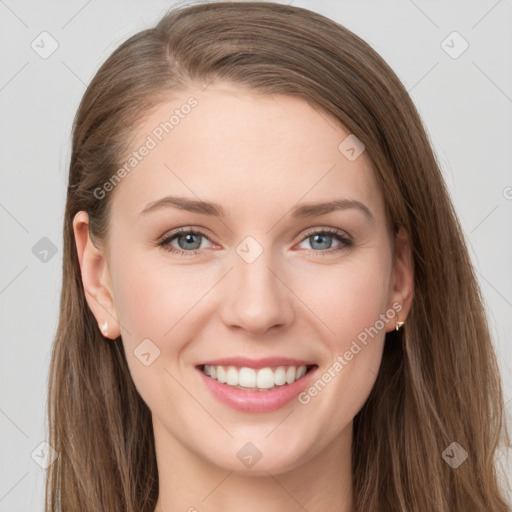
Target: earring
<point x="104" y="328"/>
<point x="398" y="325"/>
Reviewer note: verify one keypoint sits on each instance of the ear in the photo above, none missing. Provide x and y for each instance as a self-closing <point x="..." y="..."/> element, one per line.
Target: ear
<point x="402" y="280"/>
<point x="95" y="277"/>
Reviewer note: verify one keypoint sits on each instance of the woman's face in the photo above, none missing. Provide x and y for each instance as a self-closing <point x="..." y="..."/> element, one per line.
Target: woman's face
<point x="271" y="282"/>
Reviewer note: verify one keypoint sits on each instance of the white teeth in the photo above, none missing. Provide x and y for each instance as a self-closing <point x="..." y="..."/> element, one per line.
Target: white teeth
<point x="221" y="374"/>
<point x="232" y="376"/>
<point x="265" y="378"/>
<point x="280" y="376"/>
<point x="249" y="378"/>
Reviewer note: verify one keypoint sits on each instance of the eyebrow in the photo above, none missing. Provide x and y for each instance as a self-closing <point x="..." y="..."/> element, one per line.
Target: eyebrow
<point x="302" y="211"/>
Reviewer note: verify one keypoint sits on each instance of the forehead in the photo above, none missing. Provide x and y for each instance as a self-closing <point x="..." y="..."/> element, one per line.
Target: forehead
<point x="244" y="150"/>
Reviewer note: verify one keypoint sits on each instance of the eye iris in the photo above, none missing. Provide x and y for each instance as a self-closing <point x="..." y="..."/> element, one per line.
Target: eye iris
<point x="321" y="236"/>
<point x="189" y="238"/>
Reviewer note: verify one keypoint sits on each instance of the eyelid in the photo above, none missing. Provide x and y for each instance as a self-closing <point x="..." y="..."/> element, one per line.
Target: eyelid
<point x="345" y="239"/>
<point x="308" y="232"/>
<point x="164" y="240"/>
<point x="326" y="229"/>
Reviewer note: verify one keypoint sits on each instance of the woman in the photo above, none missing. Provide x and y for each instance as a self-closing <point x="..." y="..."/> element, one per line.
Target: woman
<point x="254" y="369"/>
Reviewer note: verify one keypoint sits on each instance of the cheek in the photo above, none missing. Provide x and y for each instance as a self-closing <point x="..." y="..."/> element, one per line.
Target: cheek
<point x="154" y="303"/>
<point x="348" y="298"/>
<point x="165" y="304"/>
<point x="350" y="302"/>
<point x="152" y="296"/>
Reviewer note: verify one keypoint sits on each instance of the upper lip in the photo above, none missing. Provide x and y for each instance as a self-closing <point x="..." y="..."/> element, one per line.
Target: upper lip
<point x="257" y="363"/>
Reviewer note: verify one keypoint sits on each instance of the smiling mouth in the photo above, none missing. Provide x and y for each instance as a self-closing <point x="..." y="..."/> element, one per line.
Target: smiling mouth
<point x="251" y="379"/>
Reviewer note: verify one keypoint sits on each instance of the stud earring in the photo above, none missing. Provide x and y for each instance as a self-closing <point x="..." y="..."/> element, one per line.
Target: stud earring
<point x="398" y="325"/>
<point x="104" y="328"/>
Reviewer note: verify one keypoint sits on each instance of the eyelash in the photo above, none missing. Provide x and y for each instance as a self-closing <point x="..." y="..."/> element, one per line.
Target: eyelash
<point x="164" y="243"/>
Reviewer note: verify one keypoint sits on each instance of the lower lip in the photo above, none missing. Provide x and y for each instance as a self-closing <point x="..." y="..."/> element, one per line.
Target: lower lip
<point x="257" y="401"/>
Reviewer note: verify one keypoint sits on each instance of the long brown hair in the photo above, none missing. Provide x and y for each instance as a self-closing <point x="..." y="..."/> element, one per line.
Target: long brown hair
<point x="438" y="382"/>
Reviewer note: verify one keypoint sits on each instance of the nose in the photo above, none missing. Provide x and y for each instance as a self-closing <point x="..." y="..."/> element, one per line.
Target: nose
<point x="257" y="297"/>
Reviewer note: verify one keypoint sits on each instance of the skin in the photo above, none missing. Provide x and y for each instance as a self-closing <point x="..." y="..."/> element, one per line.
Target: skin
<point x="257" y="156"/>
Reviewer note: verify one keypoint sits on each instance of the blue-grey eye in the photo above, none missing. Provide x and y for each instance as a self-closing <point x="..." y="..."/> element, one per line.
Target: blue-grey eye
<point x="325" y="242"/>
<point x="188" y="241"/>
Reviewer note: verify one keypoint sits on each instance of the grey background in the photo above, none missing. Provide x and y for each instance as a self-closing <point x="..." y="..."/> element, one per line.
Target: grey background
<point x="465" y="102"/>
